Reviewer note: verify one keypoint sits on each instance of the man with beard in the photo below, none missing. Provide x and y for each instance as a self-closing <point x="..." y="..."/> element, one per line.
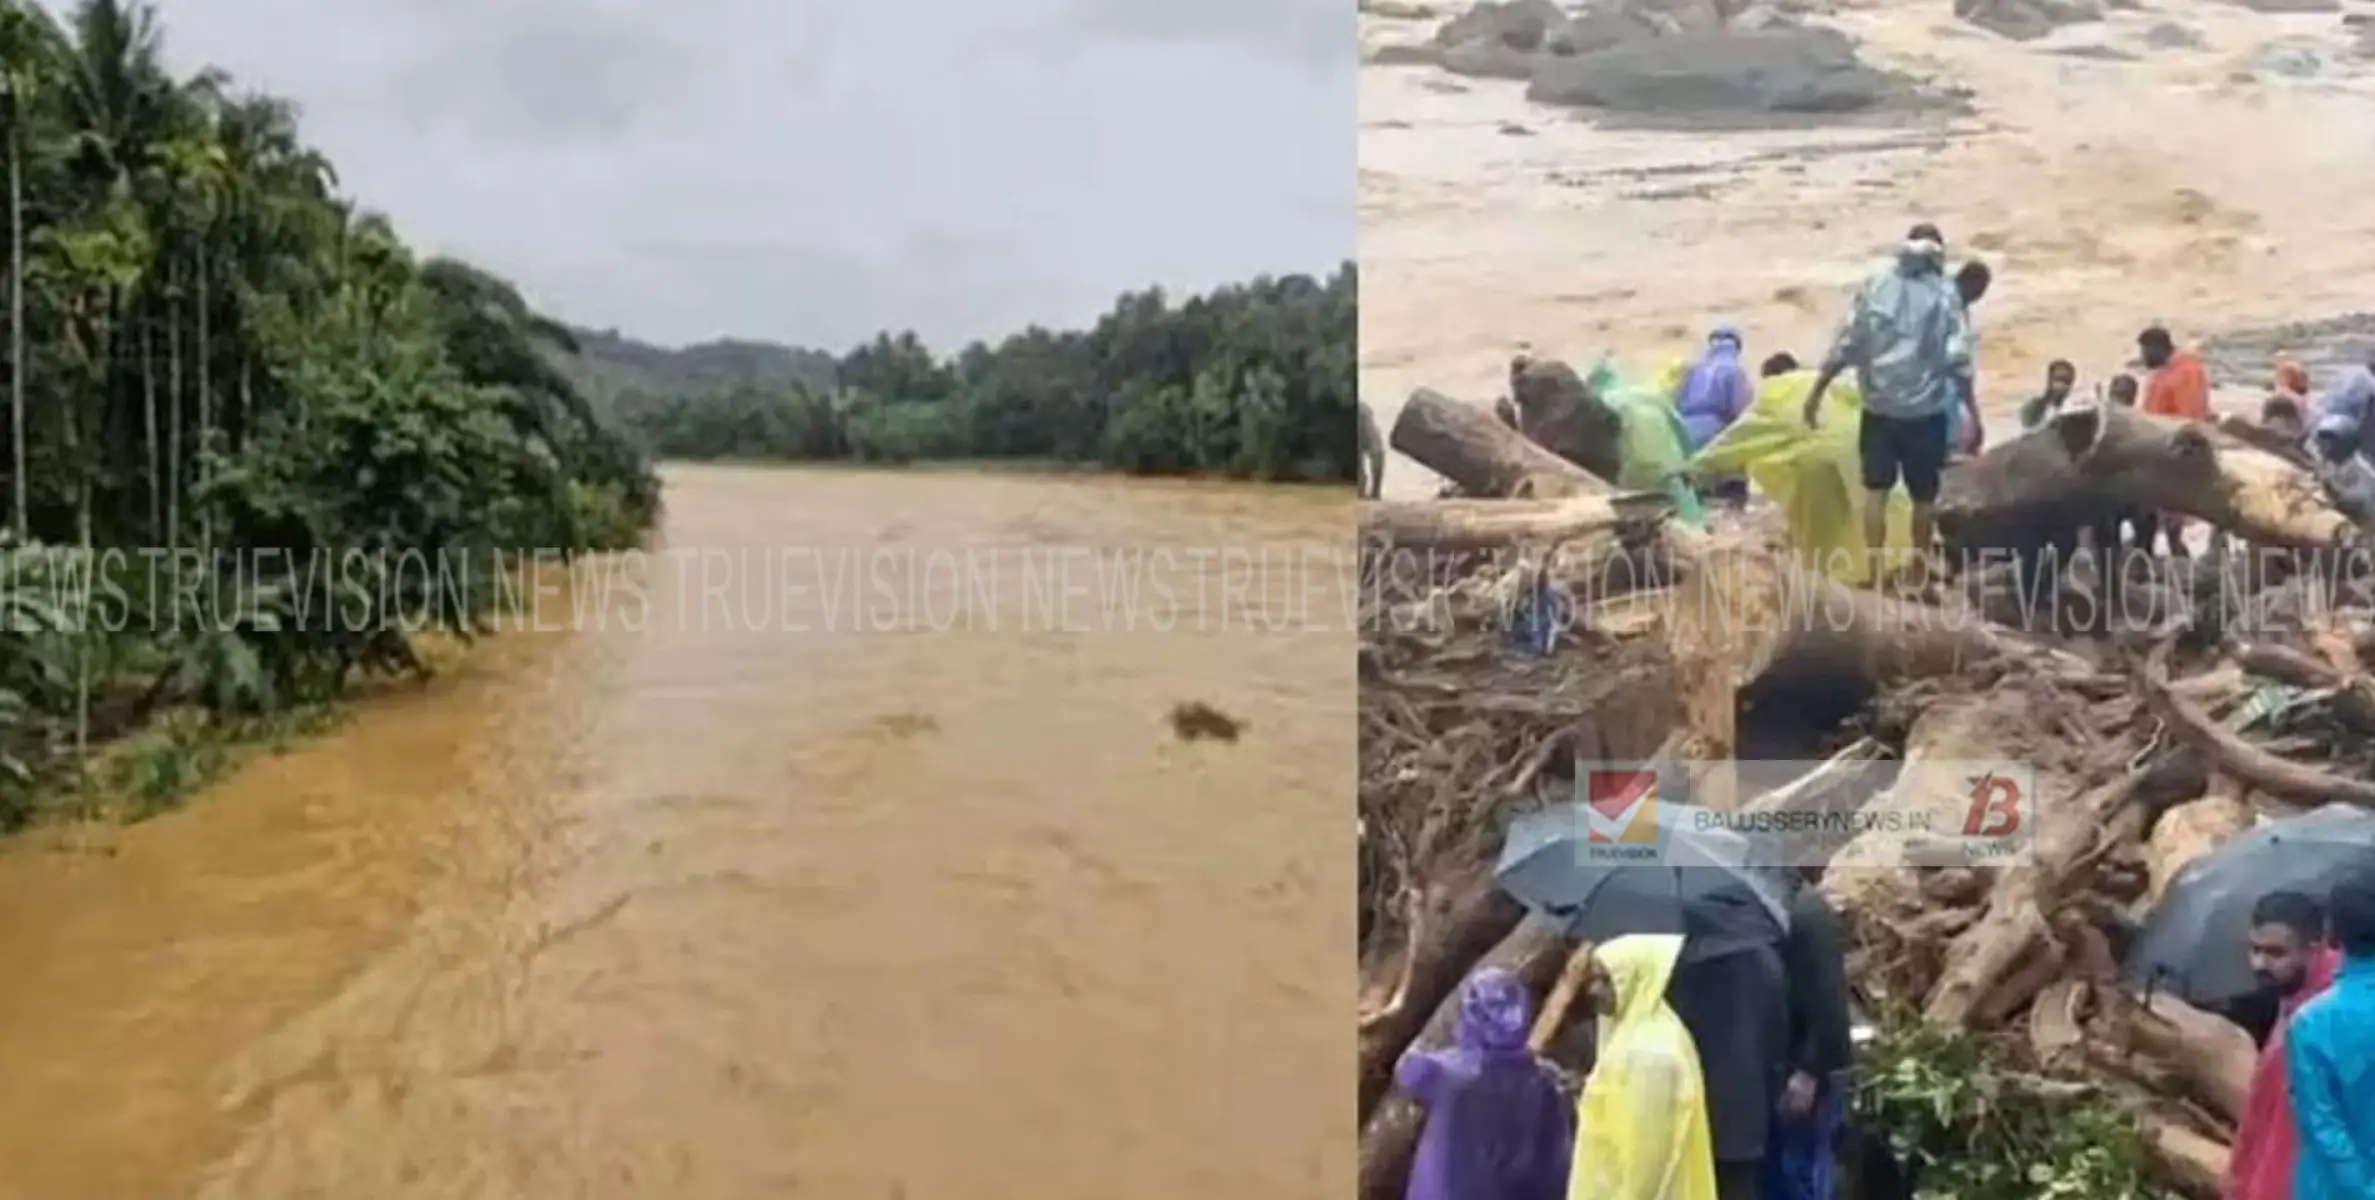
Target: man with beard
<point x="2292" y="962"/>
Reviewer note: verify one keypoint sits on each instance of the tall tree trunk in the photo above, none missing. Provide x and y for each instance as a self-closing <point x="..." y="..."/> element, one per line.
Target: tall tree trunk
<point x="16" y="333"/>
<point x="205" y="393"/>
<point x="173" y="404"/>
<point x="148" y="421"/>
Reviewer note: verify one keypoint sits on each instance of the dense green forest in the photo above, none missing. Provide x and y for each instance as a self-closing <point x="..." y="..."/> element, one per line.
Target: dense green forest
<point x="208" y="348"/>
<point x="1254" y="380"/>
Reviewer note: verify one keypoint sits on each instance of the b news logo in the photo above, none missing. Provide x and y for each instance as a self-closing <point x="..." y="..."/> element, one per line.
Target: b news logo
<point x="1997" y="806"/>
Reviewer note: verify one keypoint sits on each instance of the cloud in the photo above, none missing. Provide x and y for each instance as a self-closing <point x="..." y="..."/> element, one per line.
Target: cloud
<point x="816" y="170"/>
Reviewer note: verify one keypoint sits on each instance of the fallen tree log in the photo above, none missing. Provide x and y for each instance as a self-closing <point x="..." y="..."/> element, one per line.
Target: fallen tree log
<point x="1484" y="458"/>
<point x="2196" y="1162"/>
<point x="2018" y="496"/>
<point x="2260" y="437"/>
<point x="2191" y="468"/>
<point x="1535" y="952"/>
<point x="1740" y="613"/>
<point x="1455" y="526"/>
<point x="1981" y="961"/>
<point x="2189" y="831"/>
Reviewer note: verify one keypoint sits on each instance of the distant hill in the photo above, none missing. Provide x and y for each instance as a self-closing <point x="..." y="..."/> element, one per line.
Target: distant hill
<point x="609" y="364"/>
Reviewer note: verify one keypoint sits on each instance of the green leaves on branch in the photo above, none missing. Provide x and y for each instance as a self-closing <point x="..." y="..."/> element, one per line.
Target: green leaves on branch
<point x="1969" y="1127"/>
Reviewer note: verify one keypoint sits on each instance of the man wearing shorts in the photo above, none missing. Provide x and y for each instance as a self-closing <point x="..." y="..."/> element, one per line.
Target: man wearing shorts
<point x="1907" y="341"/>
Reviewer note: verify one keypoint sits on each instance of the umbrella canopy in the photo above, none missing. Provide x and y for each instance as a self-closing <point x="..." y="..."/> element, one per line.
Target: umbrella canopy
<point x="1689" y="878"/>
<point x="2196" y="941"/>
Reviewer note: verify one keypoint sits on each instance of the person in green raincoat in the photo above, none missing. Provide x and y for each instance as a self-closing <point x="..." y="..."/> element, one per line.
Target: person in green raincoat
<point x="1642" y="1129"/>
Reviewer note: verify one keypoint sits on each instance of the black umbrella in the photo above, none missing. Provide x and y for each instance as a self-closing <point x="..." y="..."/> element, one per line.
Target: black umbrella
<point x="1680" y="875"/>
<point x="2196" y="941"/>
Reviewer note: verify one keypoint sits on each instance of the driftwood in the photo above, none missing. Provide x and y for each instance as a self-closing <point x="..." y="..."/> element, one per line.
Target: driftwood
<point x="2191" y="830"/>
<point x="1483" y="457"/>
<point x="2137" y="772"/>
<point x="1452" y="526"/>
<point x="2282" y="778"/>
<point x="2020" y="495"/>
<point x="1983" y="957"/>
<point x="1742" y="612"/>
<point x="2192" y="468"/>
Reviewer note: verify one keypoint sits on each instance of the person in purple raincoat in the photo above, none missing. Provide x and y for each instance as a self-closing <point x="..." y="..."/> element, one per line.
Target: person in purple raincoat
<point x="1716" y="388"/>
<point x="1497" y="1127"/>
<point x="1715" y="391"/>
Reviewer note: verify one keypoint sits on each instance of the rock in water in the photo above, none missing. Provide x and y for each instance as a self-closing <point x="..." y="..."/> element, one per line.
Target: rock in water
<point x="1522" y="25"/>
<point x="1722" y="74"/>
<point x="2027" y="20"/>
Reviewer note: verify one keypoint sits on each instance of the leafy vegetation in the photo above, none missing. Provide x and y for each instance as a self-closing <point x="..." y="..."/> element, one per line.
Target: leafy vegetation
<point x="1970" y="1128"/>
<point x="211" y="352"/>
<point x="1254" y="381"/>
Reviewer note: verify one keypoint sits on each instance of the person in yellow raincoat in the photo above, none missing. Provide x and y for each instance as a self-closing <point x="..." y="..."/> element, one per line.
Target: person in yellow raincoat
<point x="1642" y="1120"/>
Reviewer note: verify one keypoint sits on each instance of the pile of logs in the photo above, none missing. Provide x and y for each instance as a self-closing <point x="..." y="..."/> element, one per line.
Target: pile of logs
<point x="2142" y="761"/>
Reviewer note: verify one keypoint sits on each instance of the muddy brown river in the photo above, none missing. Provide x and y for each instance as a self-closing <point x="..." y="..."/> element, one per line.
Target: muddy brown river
<point x="753" y="885"/>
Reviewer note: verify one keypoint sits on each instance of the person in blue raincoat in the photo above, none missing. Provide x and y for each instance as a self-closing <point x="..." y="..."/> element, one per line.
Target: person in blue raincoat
<point x="2330" y="1060"/>
<point x="1497" y="1127"/>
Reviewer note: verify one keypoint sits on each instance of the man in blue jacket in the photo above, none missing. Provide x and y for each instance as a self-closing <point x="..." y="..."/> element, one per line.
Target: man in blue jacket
<point x="2330" y="1053"/>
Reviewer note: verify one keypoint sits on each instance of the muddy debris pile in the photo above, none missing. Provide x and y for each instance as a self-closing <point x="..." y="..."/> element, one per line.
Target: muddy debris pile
<point x="1694" y="61"/>
<point x="2149" y="737"/>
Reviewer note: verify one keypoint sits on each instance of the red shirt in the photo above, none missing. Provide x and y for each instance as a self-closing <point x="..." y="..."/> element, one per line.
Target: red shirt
<point x="2265" y="1142"/>
<point x="2180" y="388"/>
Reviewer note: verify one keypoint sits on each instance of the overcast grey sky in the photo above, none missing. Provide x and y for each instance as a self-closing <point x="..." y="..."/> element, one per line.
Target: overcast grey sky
<point x="815" y="170"/>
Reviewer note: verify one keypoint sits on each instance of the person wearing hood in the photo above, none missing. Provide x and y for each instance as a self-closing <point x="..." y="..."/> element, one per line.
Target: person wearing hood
<point x="1907" y="338"/>
<point x="1716" y="391"/>
<point x="2329" y="1060"/>
<point x="2348" y="477"/>
<point x="1497" y="1126"/>
<point x="1643" y="1113"/>
<point x="2293" y="963"/>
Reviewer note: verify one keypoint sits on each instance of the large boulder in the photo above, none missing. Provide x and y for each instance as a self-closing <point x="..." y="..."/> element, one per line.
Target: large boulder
<point x="2027" y="20"/>
<point x="1523" y="25"/>
<point x="1720" y="74"/>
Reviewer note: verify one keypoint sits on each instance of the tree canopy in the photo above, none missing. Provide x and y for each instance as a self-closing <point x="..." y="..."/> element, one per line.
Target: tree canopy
<point x="1254" y="380"/>
<point x="209" y="349"/>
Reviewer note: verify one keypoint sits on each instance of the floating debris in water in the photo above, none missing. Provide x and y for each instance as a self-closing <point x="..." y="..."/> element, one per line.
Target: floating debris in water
<point x="1195" y="721"/>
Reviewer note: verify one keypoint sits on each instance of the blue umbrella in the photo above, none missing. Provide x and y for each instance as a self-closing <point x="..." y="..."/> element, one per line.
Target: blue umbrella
<point x="1677" y="873"/>
<point x="2195" y="941"/>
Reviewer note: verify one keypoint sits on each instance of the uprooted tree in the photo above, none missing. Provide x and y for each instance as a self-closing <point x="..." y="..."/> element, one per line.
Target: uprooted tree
<point x="1677" y="640"/>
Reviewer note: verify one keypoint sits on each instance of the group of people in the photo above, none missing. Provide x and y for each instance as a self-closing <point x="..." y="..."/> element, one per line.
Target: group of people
<point x="2308" y="1127"/>
<point x="1908" y="343"/>
<point x="1717" y="1077"/>
<point x="1726" y="1077"/>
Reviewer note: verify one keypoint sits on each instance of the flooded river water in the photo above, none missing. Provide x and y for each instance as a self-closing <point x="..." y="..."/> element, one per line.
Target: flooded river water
<point x="872" y="895"/>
